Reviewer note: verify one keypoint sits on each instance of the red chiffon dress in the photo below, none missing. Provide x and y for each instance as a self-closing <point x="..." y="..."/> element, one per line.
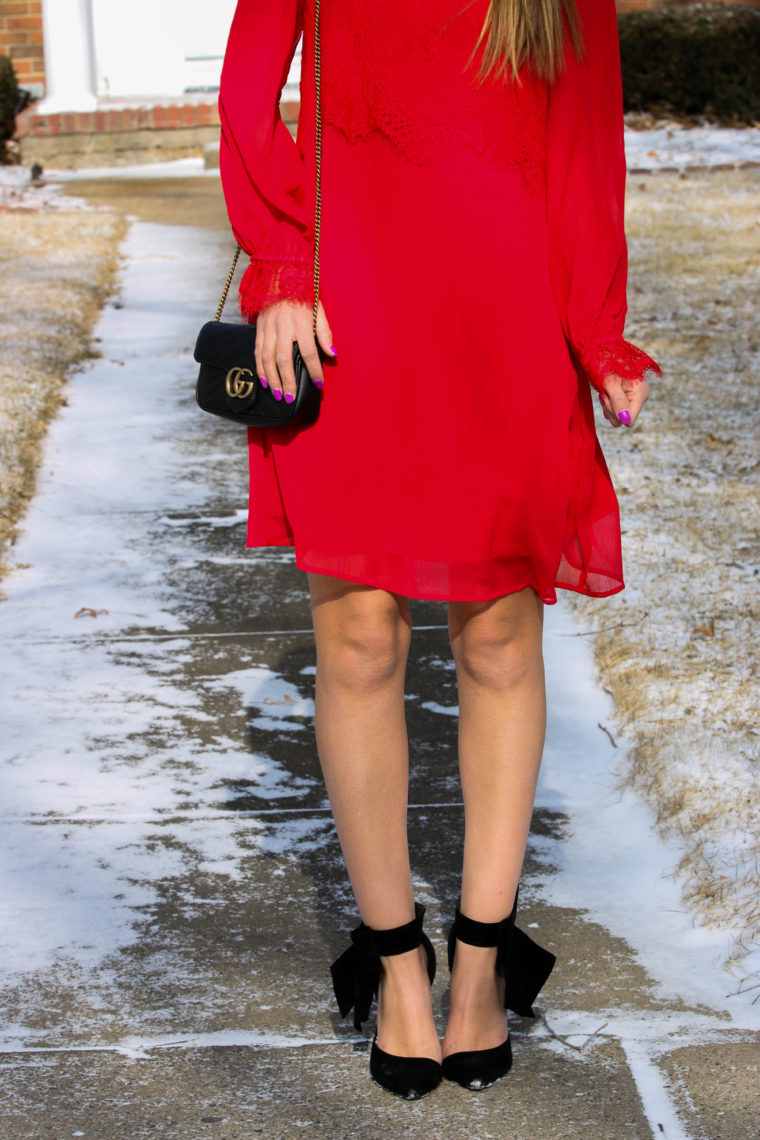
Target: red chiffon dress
<point x="473" y="272"/>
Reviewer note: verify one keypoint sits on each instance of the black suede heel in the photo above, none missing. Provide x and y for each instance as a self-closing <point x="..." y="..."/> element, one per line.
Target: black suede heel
<point x="356" y="979"/>
<point x="524" y="965"/>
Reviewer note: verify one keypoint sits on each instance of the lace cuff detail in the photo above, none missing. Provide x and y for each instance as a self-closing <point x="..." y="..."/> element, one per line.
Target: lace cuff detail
<point x="619" y="357"/>
<point x="267" y="280"/>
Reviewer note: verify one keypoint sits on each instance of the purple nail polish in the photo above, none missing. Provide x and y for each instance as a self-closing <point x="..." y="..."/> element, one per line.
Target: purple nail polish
<point x="601" y="399"/>
<point x="333" y="350"/>
<point x="277" y="393"/>
<point x="319" y="384"/>
<point x="289" y="397"/>
<point x="264" y="381"/>
<point x="624" y="417"/>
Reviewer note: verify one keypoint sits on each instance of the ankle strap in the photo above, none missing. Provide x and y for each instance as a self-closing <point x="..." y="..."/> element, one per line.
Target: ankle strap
<point x="356" y="974"/>
<point x="481" y="933"/>
<point x="523" y="964"/>
<point x="399" y="939"/>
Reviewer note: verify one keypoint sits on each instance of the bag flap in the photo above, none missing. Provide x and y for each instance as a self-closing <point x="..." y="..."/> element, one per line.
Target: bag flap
<point x="224" y="345"/>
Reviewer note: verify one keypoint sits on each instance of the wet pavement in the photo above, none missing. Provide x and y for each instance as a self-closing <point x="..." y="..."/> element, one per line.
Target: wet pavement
<point x="174" y="886"/>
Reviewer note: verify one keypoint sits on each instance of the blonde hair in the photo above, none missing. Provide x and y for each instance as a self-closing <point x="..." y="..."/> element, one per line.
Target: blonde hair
<point x="527" y="31"/>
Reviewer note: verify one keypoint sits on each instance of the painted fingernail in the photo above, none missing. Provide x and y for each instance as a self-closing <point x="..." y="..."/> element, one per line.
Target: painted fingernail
<point x="277" y="393"/>
<point x="264" y="381"/>
<point x="624" y="417"/>
<point x="289" y="397"/>
<point x="319" y="384"/>
<point x="333" y="350"/>
<point x="601" y="399"/>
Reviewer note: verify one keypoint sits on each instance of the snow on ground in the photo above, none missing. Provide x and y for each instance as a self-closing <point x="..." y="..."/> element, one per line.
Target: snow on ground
<point x="76" y="700"/>
<point x="677" y="147"/>
<point x="677" y="647"/>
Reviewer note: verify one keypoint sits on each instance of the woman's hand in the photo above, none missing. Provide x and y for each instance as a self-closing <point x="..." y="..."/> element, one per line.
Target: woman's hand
<point x="276" y="328"/>
<point x="622" y="400"/>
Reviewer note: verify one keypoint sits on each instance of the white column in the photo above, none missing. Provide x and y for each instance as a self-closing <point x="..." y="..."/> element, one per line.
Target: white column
<point x="141" y="47"/>
<point x="69" y="56"/>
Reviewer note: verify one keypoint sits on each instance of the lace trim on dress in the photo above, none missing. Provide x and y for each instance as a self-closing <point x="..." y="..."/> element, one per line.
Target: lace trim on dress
<point x="404" y="76"/>
<point x="266" y="281"/>
<point x="619" y="357"/>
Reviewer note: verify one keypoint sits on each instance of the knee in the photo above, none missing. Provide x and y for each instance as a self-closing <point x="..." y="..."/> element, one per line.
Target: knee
<point x="367" y="648"/>
<point x="497" y="654"/>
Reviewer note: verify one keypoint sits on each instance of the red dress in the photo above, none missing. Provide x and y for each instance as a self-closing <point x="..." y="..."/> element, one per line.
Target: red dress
<point x="473" y="271"/>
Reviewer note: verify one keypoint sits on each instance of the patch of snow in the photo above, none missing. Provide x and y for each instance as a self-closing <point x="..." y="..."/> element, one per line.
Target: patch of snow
<point x="445" y="710"/>
<point x="192" y="167"/>
<point x="612" y="864"/>
<point x="686" y="148"/>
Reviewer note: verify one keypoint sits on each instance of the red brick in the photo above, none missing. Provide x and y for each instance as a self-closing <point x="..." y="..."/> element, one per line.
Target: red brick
<point x="100" y="121"/>
<point x="208" y="114"/>
<point x="69" y="122"/>
<point x="144" y="120"/>
<point x="158" y="117"/>
<point x="85" y="122"/>
<point x="113" y="120"/>
<point x="188" y="114"/>
<point x="23" y="22"/>
<point x="28" y="72"/>
<point x="173" y="116"/>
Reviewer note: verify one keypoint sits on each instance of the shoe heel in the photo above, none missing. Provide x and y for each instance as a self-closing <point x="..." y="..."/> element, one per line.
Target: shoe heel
<point x="356" y="979"/>
<point x="524" y="965"/>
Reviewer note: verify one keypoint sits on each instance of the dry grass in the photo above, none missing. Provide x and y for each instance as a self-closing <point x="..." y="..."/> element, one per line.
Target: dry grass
<point x="677" y="648"/>
<point x="56" y="269"/>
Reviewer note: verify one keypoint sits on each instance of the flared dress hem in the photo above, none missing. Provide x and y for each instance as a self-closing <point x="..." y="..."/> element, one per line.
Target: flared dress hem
<point x="312" y="563"/>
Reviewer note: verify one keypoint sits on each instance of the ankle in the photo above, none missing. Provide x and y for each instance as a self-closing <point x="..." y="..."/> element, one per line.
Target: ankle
<point x="406" y="965"/>
<point x="474" y="961"/>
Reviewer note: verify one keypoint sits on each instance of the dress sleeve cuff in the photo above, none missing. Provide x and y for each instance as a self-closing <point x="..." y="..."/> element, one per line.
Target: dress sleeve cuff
<point x="618" y="357"/>
<point x="267" y="280"/>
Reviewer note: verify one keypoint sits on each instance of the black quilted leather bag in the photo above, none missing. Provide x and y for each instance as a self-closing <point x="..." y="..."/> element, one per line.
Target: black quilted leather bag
<point x="229" y="387"/>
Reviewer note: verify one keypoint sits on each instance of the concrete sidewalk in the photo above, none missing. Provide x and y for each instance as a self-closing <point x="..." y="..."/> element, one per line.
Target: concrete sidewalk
<point x="174" y="891"/>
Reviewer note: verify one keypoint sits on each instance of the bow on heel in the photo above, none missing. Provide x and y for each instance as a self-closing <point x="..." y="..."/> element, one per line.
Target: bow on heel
<point x="356" y="978"/>
<point x="524" y="965"/>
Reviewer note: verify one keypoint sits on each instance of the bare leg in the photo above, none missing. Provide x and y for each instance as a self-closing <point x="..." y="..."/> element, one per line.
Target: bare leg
<point x="362" y="637"/>
<point x="502" y="722"/>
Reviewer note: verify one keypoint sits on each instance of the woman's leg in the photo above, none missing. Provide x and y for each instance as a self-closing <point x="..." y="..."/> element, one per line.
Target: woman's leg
<point x="502" y="722"/>
<point x="362" y="636"/>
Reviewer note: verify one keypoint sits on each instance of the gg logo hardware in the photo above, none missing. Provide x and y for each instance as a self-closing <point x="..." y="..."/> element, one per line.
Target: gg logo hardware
<point x="236" y="386"/>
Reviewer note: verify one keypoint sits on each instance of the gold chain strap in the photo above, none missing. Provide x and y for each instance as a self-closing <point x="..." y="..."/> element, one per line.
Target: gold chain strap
<point x="318" y="202"/>
<point x="227" y="284"/>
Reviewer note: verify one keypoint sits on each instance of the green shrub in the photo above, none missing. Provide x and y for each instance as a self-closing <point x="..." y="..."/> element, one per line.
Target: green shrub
<point x="693" y="60"/>
<point x="9" y="98"/>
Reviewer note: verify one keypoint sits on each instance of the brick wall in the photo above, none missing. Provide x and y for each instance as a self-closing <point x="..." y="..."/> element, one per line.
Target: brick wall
<point x="121" y="136"/>
<point x="21" y="39"/>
